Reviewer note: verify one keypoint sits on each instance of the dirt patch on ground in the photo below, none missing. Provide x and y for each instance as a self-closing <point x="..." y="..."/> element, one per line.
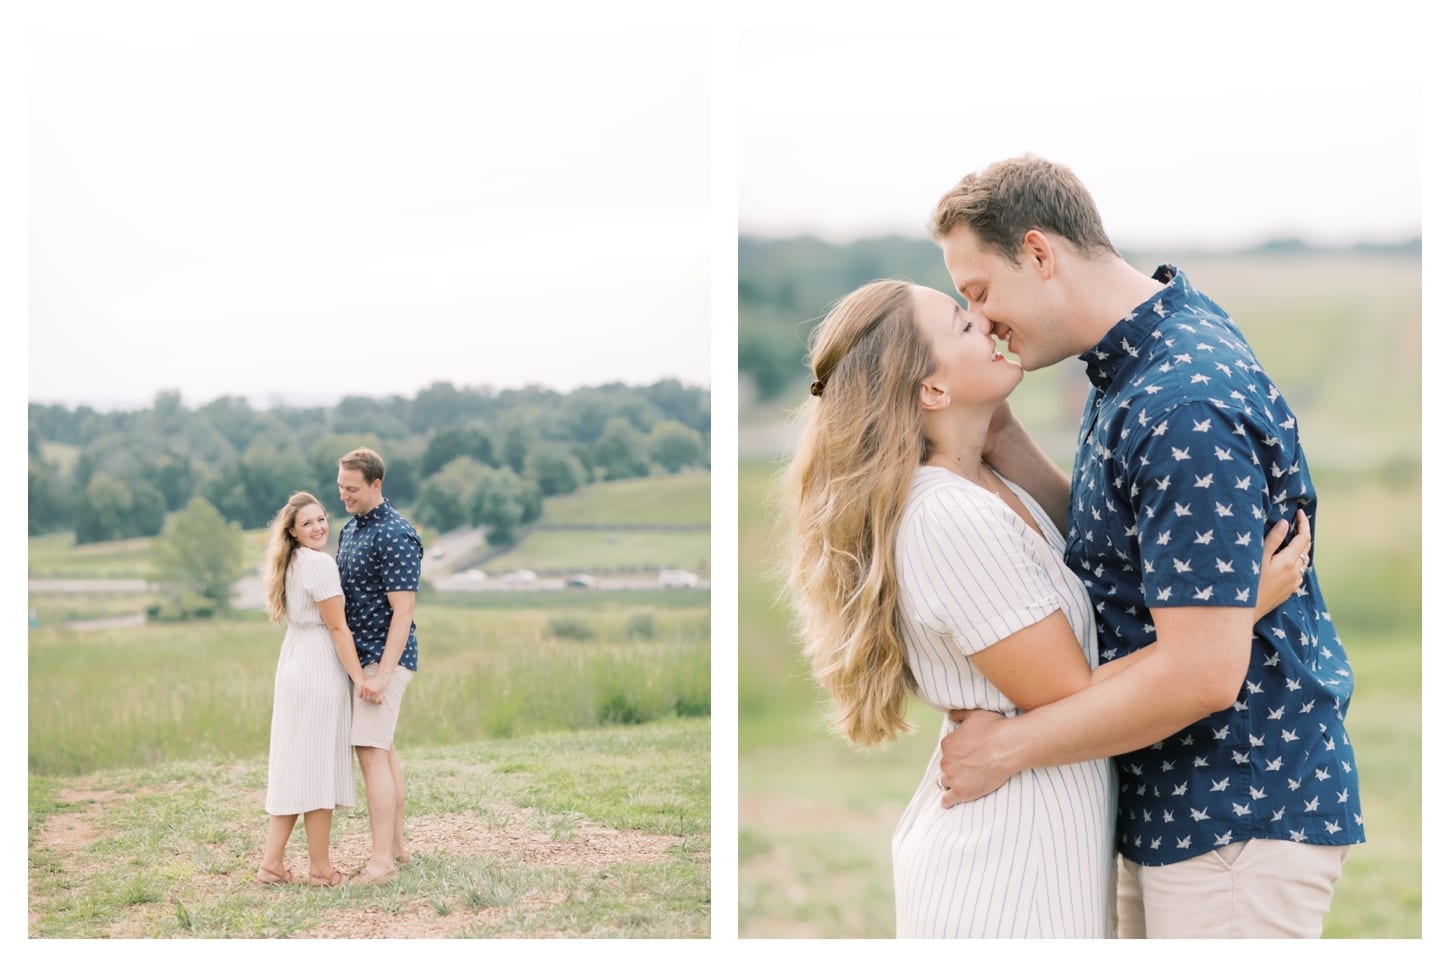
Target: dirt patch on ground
<point x="515" y="838"/>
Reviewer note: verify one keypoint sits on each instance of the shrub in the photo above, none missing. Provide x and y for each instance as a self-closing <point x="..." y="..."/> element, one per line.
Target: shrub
<point x="570" y="627"/>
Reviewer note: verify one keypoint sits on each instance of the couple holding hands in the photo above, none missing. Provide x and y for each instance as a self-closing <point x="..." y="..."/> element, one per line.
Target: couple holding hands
<point x="350" y="650"/>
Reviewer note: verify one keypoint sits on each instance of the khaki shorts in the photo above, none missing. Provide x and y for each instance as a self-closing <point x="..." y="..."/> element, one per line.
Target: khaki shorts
<point x="1259" y="888"/>
<point x="374" y="725"/>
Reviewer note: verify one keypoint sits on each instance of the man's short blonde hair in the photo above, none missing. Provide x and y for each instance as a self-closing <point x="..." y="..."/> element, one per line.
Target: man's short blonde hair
<point x="366" y="462"/>
<point x="1005" y="200"/>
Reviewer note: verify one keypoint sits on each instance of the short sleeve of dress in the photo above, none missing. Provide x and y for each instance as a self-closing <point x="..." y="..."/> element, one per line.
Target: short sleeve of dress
<point x="400" y="555"/>
<point x="969" y="568"/>
<point x="319" y="575"/>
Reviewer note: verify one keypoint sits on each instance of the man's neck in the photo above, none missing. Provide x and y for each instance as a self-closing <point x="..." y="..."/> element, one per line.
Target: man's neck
<point x="1110" y="289"/>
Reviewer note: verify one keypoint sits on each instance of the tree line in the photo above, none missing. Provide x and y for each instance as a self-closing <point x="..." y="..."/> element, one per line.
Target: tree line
<point x="786" y="286"/>
<point x="456" y="456"/>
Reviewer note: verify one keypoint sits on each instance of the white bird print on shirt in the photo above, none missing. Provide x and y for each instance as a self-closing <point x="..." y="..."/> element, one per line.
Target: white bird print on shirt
<point x="1202" y="426"/>
<point x="1199" y="815"/>
<point x="1180" y="454"/>
<point x="1278" y="815"/>
<point x="1220" y="785"/>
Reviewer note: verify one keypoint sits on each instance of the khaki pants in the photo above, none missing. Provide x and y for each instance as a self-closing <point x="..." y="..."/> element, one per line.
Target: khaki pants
<point x="1259" y="888"/>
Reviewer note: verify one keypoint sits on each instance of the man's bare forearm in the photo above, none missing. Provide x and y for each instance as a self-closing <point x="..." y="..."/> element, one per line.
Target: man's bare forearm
<point x="1142" y="704"/>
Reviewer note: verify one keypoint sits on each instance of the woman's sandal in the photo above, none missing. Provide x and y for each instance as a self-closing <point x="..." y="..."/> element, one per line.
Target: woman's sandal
<point x="268" y="878"/>
<point x="364" y="878"/>
<point x="333" y="878"/>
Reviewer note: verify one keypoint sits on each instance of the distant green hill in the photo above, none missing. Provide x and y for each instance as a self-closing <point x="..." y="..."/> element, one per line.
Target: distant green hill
<point x="650" y="521"/>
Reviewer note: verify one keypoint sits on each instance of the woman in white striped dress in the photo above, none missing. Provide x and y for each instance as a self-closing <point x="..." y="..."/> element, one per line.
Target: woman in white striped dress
<point x="309" y="765"/>
<point x="916" y="567"/>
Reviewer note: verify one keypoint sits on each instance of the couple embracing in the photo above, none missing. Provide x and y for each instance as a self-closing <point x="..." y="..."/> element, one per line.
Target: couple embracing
<point x="1143" y="694"/>
<point x="349" y="652"/>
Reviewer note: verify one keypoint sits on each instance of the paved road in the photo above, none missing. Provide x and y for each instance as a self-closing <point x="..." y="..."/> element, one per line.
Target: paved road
<point x="247" y="593"/>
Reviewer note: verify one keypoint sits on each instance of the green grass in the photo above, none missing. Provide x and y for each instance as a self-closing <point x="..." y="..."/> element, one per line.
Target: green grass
<point x="816" y="815"/>
<point x="571" y="599"/>
<point x="509" y="838"/>
<point x="604" y="551"/>
<point x="54" y="608"/>
<point x="146" y="695"/>
<point x="679" y="499"/>
<point x="58" y="556"/>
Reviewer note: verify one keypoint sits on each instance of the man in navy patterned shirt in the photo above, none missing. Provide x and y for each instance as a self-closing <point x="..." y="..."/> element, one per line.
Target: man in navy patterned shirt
<point x="1238" y="789"/>
<point x="379" y="558"/>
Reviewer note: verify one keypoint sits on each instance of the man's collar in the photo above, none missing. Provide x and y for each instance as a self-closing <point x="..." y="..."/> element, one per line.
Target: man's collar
<point x="373" y="514"/>
<point x="1124" y="343"/>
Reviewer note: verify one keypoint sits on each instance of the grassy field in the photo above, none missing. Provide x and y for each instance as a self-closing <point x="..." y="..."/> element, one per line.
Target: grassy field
<point x="682" y="498"/>
<point x="606" y="551"/>
<point x="603" y="833"/>
<point x="557" y="748"/>
<point x="146" y="695"/>
<point x="816" y="816"/>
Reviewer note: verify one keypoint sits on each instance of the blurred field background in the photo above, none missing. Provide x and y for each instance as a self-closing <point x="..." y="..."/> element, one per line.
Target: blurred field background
<point x="1340" y="333"/>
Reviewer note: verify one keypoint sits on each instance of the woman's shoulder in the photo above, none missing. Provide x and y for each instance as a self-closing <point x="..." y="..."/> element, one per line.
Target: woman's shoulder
<point x="306" y="556"/>
<point x="936" y="491"/>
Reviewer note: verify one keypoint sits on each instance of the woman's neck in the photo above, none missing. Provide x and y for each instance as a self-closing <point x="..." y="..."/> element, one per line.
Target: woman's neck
<point x="960" y="452"/>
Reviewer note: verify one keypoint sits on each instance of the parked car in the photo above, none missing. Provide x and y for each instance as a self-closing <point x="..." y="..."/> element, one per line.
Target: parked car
<point x="580" y="581"/>
<point x="472" y="578"/>
<point x="520" y="577"/>
<point x="676" y="578"/>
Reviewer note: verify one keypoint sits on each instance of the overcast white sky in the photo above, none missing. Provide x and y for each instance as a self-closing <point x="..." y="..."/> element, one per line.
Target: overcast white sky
<point x="312" y="214"/>
<point x="1188" y="128"/>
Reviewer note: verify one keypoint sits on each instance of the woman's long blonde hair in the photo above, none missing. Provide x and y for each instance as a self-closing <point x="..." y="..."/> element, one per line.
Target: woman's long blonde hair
<point x="845" y="491"/>
<point x="280" y="545"/>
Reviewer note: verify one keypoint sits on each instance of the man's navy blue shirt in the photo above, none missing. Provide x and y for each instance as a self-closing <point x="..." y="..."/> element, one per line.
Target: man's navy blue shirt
<point x="1188" y="455"/>
<point x="378" y="552"/>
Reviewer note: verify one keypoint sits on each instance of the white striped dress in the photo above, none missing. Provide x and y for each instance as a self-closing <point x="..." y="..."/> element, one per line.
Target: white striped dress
<point x="1035" y="858"/>
<point x="309" y="765"/>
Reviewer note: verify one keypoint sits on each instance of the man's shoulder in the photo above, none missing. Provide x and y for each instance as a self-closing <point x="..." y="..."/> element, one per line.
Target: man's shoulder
<point x="394" y="520"/>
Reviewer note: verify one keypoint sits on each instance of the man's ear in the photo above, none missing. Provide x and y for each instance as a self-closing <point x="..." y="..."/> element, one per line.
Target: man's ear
<point x="1038" y="254"/>
<point x="934" y="395"/>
